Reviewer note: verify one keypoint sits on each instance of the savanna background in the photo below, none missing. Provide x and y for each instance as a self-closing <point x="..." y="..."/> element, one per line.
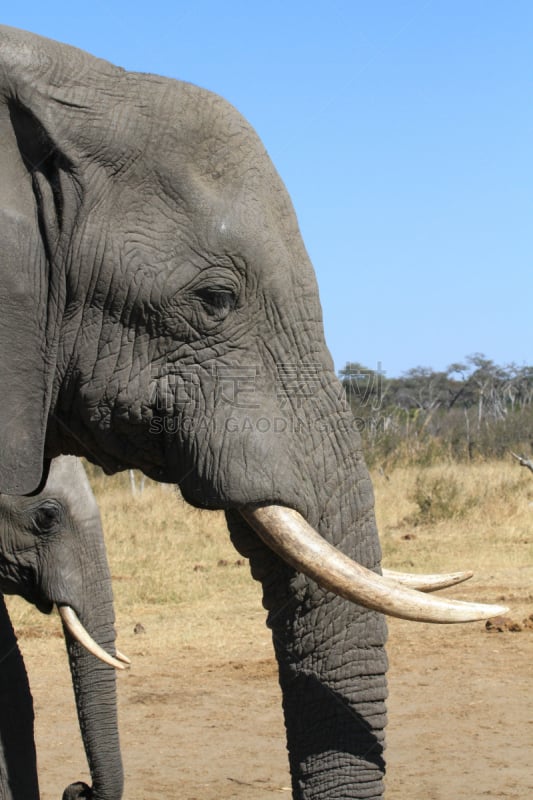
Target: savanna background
<point x="404" y="139"/>
<point x="200" y="708"/>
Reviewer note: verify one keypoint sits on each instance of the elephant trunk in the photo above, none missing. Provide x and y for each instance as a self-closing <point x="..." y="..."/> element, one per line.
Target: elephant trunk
<point x="95" y="694"/>
<point x="330" y="651"/>
<point x="94" y="686"/>
<point x="88" y="590"/>
<point x="318" y="557"/>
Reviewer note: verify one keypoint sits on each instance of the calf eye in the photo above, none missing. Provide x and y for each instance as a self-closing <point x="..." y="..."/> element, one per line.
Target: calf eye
<point x="46" y="517"/>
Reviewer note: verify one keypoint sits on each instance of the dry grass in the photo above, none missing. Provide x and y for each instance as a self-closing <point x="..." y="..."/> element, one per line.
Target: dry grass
<point x="484" y="522"/>
<point x="171" y="561"/>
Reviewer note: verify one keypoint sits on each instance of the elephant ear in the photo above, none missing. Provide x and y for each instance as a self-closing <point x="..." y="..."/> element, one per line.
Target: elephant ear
<point x="55" y="116"/>
<point x="58" y="126"/>
<point x="31" y="215"/>
<point x="25" y="374"/>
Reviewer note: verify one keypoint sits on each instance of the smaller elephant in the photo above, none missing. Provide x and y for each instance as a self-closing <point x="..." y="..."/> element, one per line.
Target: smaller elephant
<point x="52" y="553"/>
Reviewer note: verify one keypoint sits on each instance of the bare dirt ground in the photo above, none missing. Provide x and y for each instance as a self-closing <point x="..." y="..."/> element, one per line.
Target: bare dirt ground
<point x="202" y="726"/>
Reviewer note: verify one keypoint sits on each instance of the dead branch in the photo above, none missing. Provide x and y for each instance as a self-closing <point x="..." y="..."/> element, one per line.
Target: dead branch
<point x="524" y="462"/>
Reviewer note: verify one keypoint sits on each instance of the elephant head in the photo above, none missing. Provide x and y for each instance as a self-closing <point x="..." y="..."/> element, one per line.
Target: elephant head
<point x="52" y="553"/>
<point x="166" y="317"/>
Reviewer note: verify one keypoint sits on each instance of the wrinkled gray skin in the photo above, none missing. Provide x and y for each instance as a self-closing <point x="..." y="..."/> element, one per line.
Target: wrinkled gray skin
<point x="159" y="311"/>
<point x="52" y="552"/>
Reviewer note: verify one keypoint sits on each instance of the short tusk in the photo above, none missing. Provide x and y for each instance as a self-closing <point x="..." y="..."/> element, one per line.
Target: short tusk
<point x="122" y="657"/>
<point x="78" y="632"/>
<point x="288" y="534"/>
<point x="427" y="583"/>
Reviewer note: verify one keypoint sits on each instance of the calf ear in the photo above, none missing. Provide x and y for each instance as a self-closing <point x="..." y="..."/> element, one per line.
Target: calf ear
<point x="29" y="206"/>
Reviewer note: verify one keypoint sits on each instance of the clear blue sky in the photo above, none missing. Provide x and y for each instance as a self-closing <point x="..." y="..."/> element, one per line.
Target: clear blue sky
<point x="404" y="133"/>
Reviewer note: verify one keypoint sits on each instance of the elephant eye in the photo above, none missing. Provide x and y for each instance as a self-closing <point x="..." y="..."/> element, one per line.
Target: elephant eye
<point x="218" y="302"/>
<point x="46" y="517"/>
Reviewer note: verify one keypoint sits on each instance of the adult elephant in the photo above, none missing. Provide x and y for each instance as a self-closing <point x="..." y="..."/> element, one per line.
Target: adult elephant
<point x="52" y="553"/>
<point x="159" y="311"/>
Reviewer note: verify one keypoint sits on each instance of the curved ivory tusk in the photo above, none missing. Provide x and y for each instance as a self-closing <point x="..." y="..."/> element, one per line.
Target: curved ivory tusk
<point x="288" y="534"/>
<point x="78" y="632"/>
<point x="427" y="583"/>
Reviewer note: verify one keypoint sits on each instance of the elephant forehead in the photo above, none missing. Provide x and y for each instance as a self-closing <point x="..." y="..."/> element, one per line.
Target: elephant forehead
<point x="68" y="483"/>
<point x="162" y="242"/>
<point x="101" y="114"/>
<point x="198" y="125"/>
<point x="180" y="214"/>
<point x="105" y="115"/>
<point x="149" y="127"/>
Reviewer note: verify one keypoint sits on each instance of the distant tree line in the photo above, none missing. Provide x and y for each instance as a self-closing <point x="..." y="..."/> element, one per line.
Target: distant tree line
<point x="474" y="408"/>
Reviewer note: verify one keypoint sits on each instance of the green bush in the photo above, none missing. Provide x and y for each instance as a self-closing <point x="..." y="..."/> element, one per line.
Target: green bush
<point x="438" y="497"/>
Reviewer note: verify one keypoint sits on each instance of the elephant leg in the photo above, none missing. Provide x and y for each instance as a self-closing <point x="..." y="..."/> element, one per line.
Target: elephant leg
<point x="18" y="765"/>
